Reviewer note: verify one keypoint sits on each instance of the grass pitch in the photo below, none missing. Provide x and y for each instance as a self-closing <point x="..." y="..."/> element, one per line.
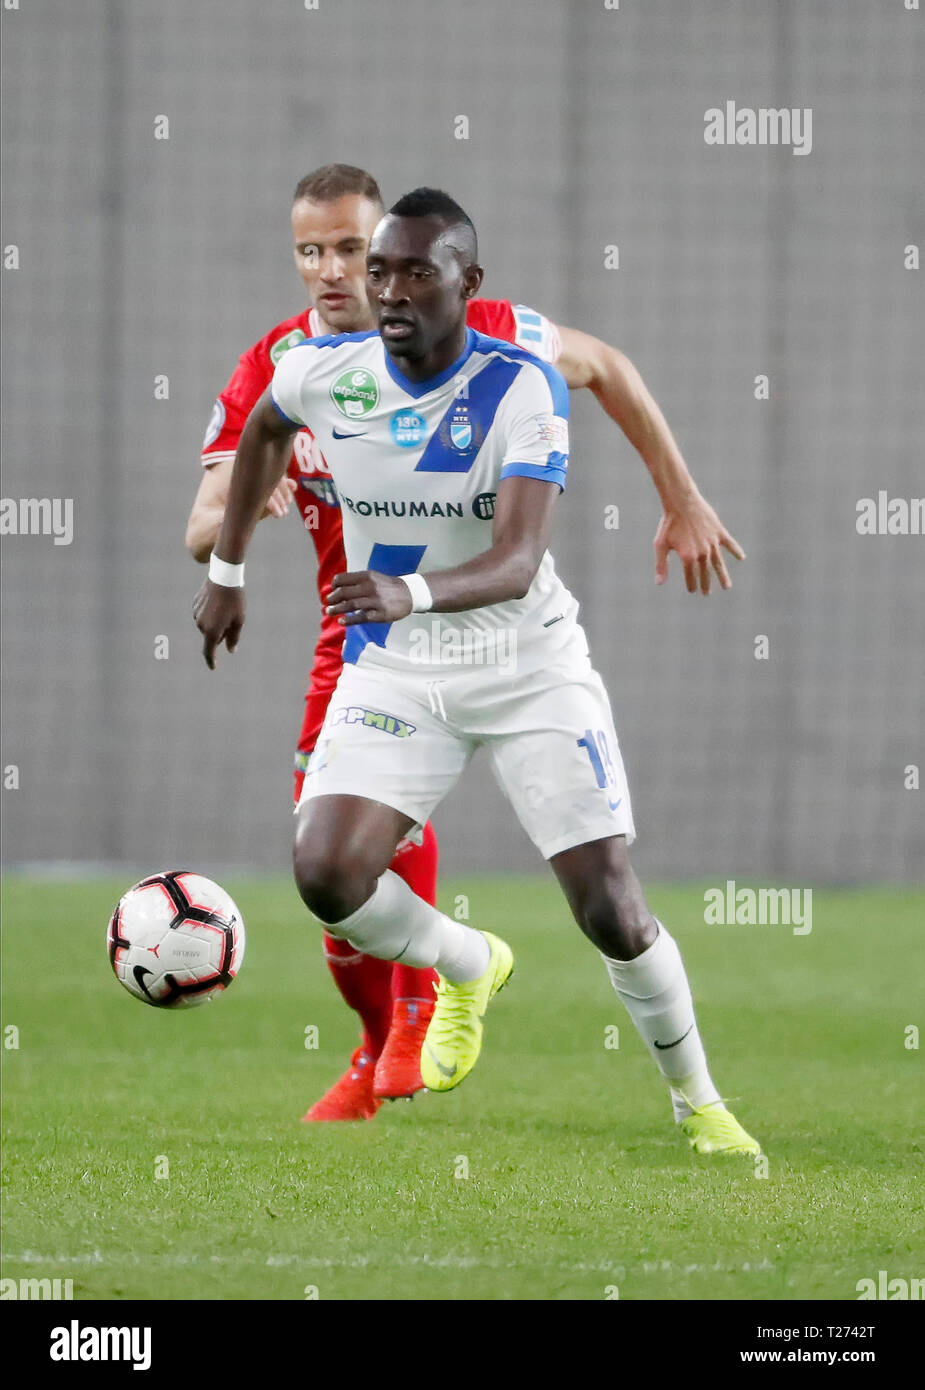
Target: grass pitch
<point x="554" y="1172"/>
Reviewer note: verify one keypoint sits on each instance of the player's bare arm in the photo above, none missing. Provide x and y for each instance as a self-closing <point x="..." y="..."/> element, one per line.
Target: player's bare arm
<point x="521" y="528"/>
<point x="689" y="525"/>
<point x="261" y="461"/>
<point x="208" y="510"/>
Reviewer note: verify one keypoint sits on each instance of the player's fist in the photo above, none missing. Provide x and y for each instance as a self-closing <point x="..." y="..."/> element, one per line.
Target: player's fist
<point x="368" y="597"/>
<point x="218" y="612"/>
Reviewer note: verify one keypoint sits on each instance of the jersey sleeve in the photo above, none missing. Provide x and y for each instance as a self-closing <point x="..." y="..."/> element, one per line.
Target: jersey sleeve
<point x="534" y="417"/>
<point x="229" y="414"/>
<point x="536" y="333"/>
<point x="291" y="387"/>
<point x="516" y="323"/>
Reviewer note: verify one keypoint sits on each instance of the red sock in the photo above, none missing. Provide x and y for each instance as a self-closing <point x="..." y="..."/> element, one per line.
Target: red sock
<point x="417" y="865"/>
<point x="365" y="983"/>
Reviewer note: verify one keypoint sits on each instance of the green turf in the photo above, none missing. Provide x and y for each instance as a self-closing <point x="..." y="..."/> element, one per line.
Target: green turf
<point x="577" y="1180"/>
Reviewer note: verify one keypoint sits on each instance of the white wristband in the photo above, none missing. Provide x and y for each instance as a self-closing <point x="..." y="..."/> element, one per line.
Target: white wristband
<point x="422" y="600"/>
<point x="229" y="576"/>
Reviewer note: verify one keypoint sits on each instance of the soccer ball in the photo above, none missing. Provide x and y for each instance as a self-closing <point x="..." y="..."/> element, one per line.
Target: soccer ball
<point x="175" y="940"/>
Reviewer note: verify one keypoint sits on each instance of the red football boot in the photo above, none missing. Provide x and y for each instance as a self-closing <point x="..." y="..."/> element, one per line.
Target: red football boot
<point x="398" y="1070"/>
<point x="350" y="1098"/>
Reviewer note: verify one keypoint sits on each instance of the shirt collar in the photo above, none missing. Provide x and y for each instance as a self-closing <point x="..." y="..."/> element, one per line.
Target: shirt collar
<point x="421" y="388"/>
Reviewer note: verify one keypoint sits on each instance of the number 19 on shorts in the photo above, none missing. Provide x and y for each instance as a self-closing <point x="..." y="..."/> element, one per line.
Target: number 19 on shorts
<point x="598" y="750"/>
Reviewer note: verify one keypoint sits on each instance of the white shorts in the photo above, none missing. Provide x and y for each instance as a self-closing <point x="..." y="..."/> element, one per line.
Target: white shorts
<point x="404" y="740"/>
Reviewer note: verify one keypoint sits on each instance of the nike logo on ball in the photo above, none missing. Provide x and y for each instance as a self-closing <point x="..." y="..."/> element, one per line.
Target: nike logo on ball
<point x="140" y="972"/>
<point x="664" y="1046"/>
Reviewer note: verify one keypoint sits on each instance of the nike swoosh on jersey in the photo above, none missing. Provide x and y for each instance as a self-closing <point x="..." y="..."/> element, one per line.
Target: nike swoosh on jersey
<point x="358" y="435"/>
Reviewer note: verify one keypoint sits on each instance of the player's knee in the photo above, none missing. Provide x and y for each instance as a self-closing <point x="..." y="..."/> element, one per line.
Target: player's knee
<point x="331" y="882"/>
<point x="614" y="914"/>
<point x="619" y="936"/>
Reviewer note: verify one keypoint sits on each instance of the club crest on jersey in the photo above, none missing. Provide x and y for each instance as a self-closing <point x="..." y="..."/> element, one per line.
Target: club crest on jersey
<point x="355" y="392"/>
<point x="461" y="429"/>
<point x="284" y="344"/>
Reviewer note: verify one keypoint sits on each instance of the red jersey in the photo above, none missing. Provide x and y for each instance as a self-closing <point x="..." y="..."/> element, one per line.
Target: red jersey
<point x="316" y="498"/>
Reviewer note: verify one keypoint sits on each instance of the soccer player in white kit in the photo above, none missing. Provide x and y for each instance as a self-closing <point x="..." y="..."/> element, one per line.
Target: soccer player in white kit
<point x="448" y="450"/>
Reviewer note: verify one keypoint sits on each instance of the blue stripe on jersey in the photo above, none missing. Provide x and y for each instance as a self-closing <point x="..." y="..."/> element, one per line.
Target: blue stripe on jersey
<point x="327" y="340"/>
<point x="421" y="388"/>
<point x="488" y="388"/>
<point x="387" y="559"/>
<point x="555" y="471"/>
<point x="296" y="424"/>
<point x="529" y="324"/>
<point x="554" y="379"/>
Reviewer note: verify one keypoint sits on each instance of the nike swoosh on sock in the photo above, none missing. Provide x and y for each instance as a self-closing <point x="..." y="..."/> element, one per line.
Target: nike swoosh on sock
<point x="663" y="1047"/>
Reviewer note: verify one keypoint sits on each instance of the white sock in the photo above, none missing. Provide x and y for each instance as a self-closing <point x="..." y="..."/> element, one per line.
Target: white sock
<point x="655" y="990"/>
<point x="395" y="924"/>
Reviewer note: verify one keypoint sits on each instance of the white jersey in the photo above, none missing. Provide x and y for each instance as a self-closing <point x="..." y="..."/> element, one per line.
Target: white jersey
<point x="416" y="466"/>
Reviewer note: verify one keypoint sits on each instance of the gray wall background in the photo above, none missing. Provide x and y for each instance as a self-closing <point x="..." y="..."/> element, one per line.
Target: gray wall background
<point x="141" y="257"/>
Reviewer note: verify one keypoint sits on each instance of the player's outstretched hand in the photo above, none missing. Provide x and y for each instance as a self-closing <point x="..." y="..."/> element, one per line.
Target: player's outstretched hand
<point x="280" y="498"/>
<point x="696" y="533"/>
<point x="219" y="614"/>
<point x="368" y="597"/>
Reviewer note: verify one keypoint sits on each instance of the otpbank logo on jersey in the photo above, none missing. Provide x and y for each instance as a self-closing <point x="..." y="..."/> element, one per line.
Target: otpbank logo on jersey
<point x="355" y="392"/>
<point x="282" y="345"/>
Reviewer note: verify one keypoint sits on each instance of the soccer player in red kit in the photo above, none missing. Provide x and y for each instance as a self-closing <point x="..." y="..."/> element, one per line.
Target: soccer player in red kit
<point x="335" y="210"/>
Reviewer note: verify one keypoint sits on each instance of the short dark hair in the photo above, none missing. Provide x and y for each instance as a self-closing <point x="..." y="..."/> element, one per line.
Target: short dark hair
<point x="433" y="202"/>
<point x="333" y="181"/>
